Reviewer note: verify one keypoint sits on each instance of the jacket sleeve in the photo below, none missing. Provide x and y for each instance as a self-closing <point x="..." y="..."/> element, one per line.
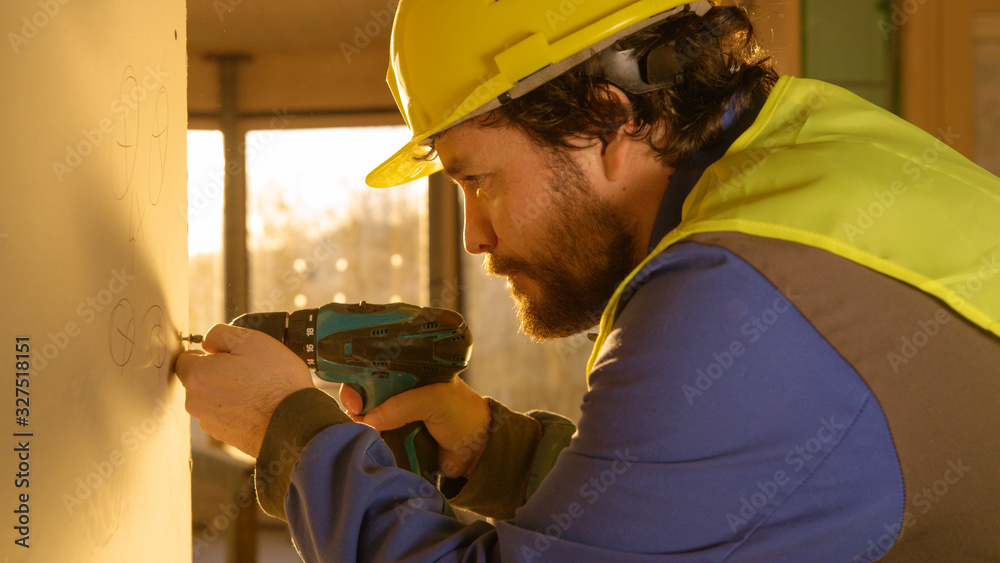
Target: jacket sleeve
<point x="368" y="509"/>
<point x="521" y="450"/>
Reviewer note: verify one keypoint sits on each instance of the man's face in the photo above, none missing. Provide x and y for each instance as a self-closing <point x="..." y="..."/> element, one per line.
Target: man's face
<point x="538" y="219"/>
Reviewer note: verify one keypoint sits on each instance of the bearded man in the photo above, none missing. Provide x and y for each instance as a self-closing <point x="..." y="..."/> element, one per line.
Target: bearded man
<point x="798" y="350"/>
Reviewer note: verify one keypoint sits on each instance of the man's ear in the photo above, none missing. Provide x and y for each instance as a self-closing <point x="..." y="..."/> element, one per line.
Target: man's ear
<point x="615" y="143"/>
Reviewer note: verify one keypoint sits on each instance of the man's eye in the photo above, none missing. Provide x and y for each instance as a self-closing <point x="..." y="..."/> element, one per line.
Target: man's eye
<point x="474" y="184"/>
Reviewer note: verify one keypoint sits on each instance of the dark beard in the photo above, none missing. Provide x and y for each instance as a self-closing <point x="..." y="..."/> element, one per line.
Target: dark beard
<point x="587" y="250"/>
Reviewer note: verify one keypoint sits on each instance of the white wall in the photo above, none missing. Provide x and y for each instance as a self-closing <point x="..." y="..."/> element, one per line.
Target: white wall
<point x="94" y="272"/>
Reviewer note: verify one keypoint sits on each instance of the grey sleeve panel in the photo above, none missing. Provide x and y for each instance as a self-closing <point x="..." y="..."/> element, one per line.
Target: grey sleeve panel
<point x="496" y="487"/>
<point x="297" y="420"/>
<point x="557" y="431"/>
<point x="521" y="452"/>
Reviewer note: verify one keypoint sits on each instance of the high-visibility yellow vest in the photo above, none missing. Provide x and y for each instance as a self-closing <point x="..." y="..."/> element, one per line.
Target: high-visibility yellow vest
<point x="823" y="167"/>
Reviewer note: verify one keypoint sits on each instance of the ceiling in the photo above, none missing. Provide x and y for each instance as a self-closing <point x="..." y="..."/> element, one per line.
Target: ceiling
<point x="322" y="59"/>
<point x="257" y="27"/>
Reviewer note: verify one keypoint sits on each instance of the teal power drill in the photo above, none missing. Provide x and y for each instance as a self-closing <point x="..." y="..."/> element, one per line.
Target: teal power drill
<point x="379" y="351"/>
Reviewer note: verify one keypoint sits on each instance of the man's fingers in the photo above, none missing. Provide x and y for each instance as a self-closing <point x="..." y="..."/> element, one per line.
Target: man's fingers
<point x="225" y="338"/>
<point x="191" y="364"/>
<point x="185" y="362"/>
<point x="350" y="399"/>
<point x="396" y="411"/>
<point x="191" y="369"/>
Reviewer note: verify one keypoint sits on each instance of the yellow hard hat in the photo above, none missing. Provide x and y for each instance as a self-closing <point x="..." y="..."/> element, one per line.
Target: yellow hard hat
<point x="456" y="59"/>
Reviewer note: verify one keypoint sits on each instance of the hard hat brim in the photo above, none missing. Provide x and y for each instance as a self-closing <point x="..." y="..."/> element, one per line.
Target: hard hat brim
<point x="406" y="165"/>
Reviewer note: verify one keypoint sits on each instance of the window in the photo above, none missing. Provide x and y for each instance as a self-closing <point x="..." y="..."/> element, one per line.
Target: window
<point x="205" y="197"/>
<point x="318" y="234"/>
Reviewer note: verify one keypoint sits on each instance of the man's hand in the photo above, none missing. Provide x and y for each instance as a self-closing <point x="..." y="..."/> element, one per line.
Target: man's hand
<point x="455" y="415"/>
<point x="234" y="388"/>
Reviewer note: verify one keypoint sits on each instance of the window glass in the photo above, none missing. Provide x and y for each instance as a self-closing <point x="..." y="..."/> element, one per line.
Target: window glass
<point x="206" y="161"/>
<point x="318" y="234"/>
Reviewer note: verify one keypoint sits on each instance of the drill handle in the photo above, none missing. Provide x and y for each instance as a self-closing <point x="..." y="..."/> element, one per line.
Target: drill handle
<point x="414" y="449"/>
<point x="412" y="445"/>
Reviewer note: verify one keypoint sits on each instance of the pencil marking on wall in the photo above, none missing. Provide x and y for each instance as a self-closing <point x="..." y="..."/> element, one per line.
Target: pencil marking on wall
<point x="121" y="332"/>
<point x="158" y="145"/>
<point x="155" y="337"/>
<point x="126" y="140"/>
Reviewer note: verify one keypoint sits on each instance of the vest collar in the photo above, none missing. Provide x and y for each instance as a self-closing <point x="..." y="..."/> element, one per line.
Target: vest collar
<point x="688" y="174"/>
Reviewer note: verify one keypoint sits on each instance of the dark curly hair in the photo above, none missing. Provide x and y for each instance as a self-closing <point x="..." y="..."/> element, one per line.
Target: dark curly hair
<point x="723" y="69"/>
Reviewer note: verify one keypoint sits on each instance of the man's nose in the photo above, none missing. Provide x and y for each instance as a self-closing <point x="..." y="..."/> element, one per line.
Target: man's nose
<point x="479" y="234"/>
